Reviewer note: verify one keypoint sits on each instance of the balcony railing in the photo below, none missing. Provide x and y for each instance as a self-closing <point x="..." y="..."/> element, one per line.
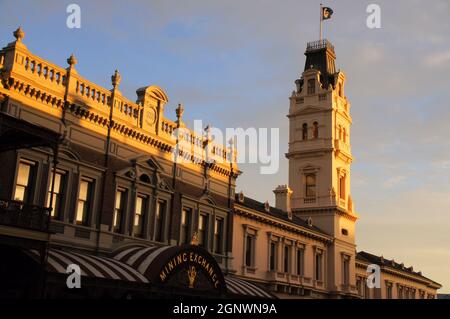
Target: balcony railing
<point x="18" y="214"/>
<point x="321" y="44"/>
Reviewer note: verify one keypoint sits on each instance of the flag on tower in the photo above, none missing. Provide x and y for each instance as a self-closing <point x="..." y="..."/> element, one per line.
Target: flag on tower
<point x="326" y="13"/>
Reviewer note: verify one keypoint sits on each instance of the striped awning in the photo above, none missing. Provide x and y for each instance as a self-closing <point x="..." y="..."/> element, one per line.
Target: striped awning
<point x="139" y="257"/>
<point x="90" y="265"/>
<point x="243" y="288"/>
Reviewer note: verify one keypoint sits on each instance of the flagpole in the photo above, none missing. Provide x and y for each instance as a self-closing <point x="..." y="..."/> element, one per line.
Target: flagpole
<point x="321" y="22"/>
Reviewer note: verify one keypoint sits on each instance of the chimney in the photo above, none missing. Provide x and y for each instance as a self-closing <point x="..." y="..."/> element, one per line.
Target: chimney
<point x="283" y="198"/>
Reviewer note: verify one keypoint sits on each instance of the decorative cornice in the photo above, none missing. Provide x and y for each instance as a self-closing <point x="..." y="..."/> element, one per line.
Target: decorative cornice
<point x="85" y="113"/>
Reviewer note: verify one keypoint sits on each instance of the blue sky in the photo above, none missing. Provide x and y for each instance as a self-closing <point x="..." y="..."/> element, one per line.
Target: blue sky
<point x="234" y="63"/>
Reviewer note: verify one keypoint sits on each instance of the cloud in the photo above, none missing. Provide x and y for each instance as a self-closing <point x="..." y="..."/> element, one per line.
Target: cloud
<point x="394" y="181"/>
<point x="441" y="59"/>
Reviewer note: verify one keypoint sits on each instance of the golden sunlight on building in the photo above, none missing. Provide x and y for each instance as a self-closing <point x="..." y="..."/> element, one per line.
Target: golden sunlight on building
<point x="146" y="207"/>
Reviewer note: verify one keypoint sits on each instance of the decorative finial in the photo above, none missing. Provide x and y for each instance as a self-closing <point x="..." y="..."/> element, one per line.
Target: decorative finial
<point x="180" y="111"/>
<point x="19" y="34"/>
<point x="72" y="60"/>
<point x="194" y="240"/>
<point x="115" y="79"/>
<point x="267" y="206"/>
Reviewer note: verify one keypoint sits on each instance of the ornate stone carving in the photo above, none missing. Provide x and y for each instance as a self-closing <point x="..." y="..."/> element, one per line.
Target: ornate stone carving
<point x="19" y="34"/>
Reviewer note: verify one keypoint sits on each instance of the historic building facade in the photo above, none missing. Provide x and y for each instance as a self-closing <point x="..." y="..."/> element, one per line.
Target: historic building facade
<point x="147" y="207"/>
<point x="123" y="186"/>
<point x="305" y="247"/>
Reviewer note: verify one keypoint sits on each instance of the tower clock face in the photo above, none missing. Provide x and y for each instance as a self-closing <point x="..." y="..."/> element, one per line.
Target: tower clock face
<point x="150" y="116"/>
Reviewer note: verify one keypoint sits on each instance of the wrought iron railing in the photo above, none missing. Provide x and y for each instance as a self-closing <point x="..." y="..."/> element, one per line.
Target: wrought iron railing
<point x="317" y="45"/>
<point x="21" y="215"/>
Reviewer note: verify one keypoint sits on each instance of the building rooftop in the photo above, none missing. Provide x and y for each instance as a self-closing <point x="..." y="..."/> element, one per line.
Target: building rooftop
<point x="275" y="212"/>
<point x="381" y="261"/>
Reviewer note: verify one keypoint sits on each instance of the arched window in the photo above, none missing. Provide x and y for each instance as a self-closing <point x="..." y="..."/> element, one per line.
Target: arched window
<point x="310" y="190"/>
<point x="316" y="130"/>
<point x="145" y="178"/>
<point x="305" y="132"/>
<point x="311" y="86"/>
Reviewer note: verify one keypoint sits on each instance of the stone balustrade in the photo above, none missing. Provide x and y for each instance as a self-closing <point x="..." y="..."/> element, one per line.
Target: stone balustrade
<point x="42" y="79"/>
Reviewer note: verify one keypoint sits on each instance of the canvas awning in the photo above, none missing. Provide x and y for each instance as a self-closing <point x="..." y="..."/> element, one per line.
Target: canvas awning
<point x="243" y="288"/>
<point x="90" y="265"/>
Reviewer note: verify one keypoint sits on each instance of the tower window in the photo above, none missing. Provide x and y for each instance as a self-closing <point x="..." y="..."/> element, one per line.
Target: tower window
<point x="346" y="270"/>
<point x="305" y="131"/>
<point x="310" y="185"/>
<point x="312" y="86"/>
<point x="316" y="130"/>
<point x="344" y="133"/>
<point x="342" y="187"/>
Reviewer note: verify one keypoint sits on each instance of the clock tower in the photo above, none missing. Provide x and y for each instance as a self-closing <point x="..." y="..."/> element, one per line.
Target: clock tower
<point x="319" y="162"/>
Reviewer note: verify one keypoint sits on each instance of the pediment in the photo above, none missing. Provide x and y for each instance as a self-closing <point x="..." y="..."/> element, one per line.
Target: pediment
<point x="148" y="161"/>
<point x="208" y="199"/>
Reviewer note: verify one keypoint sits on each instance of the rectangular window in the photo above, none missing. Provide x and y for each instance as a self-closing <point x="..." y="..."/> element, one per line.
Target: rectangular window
<point x="160" y="221"/>
<point x="202" y="230"/>
<point x="58" y="193"/>
<point x="186" y="218"/>
<point x="311" y="86"/>
<point x="84" y="201"/>
<point x="287" y="258"/>
<point x="359" y="286"/>
<point x="366" y="291"/>
<point x="139" y="212"/>
<point x="311" y="185"/>
<point x="25" y="181"/>
<point x="273" y="256"/>
<point x="342" y="187"/>
<point x="249" y="250"/>
<point x="389" y="291"/>
<point x="346" y="270"/>
<point x="319" y="266"/>
<point x="119" y="210"/>
<point x="218" y="236"/>
<point x="300" y="261"/>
